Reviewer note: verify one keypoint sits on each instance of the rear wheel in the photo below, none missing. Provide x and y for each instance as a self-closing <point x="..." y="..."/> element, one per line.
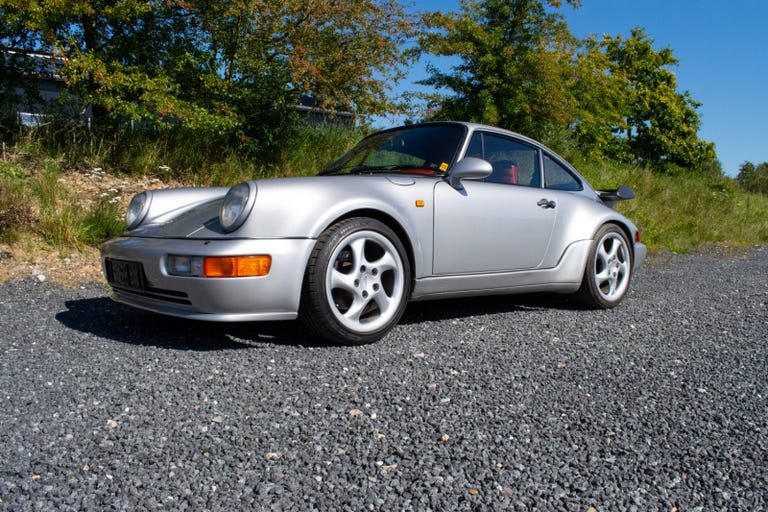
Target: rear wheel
<point x="609" y="269"/>
<point x="356" y="284"/>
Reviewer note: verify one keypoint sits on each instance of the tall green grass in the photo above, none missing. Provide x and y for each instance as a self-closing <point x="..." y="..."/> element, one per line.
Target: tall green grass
<point x="311" y="150"/>
<point x="39" y="203"/>
<point x="35" y="200"/>
<point x="686" y="211"/>
<point x="16" y="212"/>
<point x="181" y="155"/>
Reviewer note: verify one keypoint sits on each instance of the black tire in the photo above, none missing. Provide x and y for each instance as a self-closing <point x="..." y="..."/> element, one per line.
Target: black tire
<point x="357" y="282"/>
<point x="609" y="269"/>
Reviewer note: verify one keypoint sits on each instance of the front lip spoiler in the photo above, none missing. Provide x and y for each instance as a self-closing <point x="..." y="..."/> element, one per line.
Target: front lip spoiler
<point x="178" y="311"/>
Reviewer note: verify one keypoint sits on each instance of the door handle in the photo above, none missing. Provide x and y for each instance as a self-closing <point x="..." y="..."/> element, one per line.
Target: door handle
<point x="546" y="203"/>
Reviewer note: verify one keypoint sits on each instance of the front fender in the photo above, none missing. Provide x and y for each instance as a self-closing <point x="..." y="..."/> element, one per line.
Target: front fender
<point x="305" y="207"/>
<point x="302" y="208"/>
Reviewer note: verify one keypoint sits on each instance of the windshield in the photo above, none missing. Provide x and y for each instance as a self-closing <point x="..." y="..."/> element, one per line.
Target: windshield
<point x="418" y="149"/>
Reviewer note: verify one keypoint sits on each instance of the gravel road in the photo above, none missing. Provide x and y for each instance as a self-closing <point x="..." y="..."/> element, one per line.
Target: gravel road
<point x="506" y="403"/>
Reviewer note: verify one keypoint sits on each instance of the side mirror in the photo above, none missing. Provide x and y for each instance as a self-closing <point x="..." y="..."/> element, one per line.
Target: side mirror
<point x="468" y="168"/>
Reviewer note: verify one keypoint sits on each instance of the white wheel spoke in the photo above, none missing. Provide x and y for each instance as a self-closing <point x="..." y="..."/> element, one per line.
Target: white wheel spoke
<point x="603" y="254"/>
<point x="356" y="309"/>
<point x="386" y="262"/>
<point x="358" y="253"/>
<point x="603" y="276"/>
<point x="383" y="301"/>
<point x="342" y="281"/>
<point x="623" y="269"/>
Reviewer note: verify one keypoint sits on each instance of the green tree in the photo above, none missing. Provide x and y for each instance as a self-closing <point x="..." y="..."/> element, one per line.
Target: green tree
<point x="514" y="64"/>
<point x="521" y="68"/>
<point x="230" y="67"/>
<point x="272" y="52"/>
<point x="753" y="178"/>
<point x="600" y="116"/>
<point x="635" y="112"/>
<point x="125" y="58"/>
<point x="348" y="54"/>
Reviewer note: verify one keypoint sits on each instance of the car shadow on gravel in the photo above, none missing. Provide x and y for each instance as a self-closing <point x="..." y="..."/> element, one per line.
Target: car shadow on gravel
<point x="107" y="319"/>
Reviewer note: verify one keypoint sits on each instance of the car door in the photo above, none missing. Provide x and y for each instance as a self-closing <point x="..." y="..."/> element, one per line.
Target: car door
<point x="502" y="223"/>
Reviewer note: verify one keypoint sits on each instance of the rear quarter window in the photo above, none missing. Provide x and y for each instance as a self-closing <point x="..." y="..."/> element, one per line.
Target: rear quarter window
<point x="557" y="177"/>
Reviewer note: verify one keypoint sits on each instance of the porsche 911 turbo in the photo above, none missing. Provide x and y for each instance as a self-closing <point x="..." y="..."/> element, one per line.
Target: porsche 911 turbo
<point x="425" y="211"/>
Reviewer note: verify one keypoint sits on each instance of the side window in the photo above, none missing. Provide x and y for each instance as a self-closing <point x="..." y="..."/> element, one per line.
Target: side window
<point x="513" y="162"/>
<point x="557" y="177"/>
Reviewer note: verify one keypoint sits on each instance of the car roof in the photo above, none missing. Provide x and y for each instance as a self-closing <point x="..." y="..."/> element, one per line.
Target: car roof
<point x="483" y="127"/>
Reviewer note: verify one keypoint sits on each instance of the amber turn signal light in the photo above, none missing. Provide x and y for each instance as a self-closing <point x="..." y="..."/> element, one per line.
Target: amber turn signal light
<point x="237" y="266"/>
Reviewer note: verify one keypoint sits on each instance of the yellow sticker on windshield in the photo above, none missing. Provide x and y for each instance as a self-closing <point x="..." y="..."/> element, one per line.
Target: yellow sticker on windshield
<point x="443" y="166"/>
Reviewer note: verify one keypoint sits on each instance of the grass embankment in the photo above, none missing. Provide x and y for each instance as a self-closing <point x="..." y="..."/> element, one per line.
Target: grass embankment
<point x="63" y="191"/>
<point x="44" y="208"/>
<point x="684" y="212"/>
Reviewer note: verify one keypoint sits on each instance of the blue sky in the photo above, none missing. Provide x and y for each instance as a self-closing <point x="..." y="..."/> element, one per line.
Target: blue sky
<point x="722" y="53"/>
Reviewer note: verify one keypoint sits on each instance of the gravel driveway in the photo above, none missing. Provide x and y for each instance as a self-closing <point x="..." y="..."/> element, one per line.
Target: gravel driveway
<point x="506" y="403"/>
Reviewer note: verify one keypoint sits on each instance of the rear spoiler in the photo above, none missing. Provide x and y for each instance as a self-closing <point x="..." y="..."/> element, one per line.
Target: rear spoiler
<point x="611" y="197"/>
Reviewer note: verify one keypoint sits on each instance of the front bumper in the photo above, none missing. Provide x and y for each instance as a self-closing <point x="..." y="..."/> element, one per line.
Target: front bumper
<point x="275" y="296"/>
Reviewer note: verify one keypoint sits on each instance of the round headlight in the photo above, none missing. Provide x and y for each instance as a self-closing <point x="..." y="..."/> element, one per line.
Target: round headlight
<point x="137" y="209"/>
<point x="237" y="205"/>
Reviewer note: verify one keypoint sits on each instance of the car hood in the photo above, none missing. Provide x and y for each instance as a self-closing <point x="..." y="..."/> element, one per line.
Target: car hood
<point x="297" y="207"/>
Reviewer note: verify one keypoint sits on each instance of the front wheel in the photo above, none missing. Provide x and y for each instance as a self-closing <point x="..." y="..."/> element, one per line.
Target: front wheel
<point x="356" y="284"/>
<point x="609" y="269"/>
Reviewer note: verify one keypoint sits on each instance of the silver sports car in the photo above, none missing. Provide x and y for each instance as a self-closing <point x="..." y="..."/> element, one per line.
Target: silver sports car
<point x="419" y="212"/>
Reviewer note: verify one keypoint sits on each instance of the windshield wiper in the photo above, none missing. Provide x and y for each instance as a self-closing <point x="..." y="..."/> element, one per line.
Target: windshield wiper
<point x="372" y="169"/>
<point x="351" y="168"/>
<point x="363" y="169"/>
<point x="357" y="169"/>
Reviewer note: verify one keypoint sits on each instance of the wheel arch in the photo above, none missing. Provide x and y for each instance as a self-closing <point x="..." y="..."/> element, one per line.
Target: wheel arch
<point x="392" y="224"/>
<point x="624" y="229"/>
<point x="605" y="281"/>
